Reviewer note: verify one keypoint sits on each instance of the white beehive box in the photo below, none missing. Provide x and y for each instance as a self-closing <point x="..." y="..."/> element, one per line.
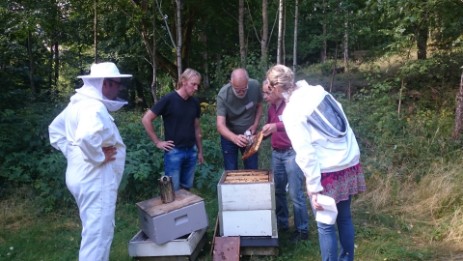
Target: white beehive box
<point x="190" y="246"/>
<point x="165" y="222"/>
<point x="246" y="190"/>
<point x="247" y="203"/>
<point x="248" y="223"/>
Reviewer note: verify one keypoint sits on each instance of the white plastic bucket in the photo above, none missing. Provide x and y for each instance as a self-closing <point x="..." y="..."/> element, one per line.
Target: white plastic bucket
<point x="329" y="213"/>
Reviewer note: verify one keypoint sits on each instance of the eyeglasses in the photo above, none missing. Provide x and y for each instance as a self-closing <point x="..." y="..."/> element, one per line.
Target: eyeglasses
<point x="239" y="91"/>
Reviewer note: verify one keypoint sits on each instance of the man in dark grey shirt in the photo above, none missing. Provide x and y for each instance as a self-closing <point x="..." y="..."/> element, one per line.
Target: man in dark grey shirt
<point x="239" y="108"/>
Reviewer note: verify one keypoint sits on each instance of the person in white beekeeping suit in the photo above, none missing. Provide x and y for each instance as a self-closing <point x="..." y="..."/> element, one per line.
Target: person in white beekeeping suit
<point x="86" y="134"/>
<point x="327" y="153"/>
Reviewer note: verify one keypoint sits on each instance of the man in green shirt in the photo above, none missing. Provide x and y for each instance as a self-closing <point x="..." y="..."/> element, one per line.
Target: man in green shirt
<point x="239" y="108"/>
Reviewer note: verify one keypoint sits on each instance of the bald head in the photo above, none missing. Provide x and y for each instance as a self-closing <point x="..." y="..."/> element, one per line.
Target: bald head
<point x="238" y="76"/>
<point x="239" y="82"/>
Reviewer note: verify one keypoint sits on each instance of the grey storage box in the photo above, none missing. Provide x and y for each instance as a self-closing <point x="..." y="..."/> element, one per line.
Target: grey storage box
<point x="165" y="222"/>
<point x="185" y="248"/>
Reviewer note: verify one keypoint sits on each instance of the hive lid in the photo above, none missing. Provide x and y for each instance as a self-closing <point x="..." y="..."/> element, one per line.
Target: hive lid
<point x="154" y="207"/>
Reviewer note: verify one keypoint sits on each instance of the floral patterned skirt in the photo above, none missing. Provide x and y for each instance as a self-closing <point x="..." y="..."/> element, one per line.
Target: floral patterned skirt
<point x="342" y="184"/>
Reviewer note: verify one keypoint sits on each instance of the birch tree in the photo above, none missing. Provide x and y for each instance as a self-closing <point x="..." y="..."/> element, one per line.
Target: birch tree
<point x="459" y="111"/>
<point x="95" y="29"/>
<point x="148" y="36"/>
<point x="153" y="85"/>
<point x="280" y="32"/>
<point x="296" y="18"/>
<point x="241" y="33"/>
<point x="264" y="37"/>
<point x="178" y="47"/>
<point x="324" y="32"/>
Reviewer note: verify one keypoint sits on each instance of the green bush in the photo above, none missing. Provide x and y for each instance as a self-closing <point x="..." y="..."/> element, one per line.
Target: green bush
<point x="27" y="159"/>
<point x="208" y="174"/>
<point x="144" y="162"/>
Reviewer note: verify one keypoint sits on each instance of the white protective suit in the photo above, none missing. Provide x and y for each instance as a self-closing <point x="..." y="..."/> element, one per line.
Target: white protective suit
<point x="80" y="132"/>
<point x="328" y="143"/>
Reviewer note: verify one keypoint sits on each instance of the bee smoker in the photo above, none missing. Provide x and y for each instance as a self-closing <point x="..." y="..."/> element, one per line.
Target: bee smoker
<point x="166" y="189"/>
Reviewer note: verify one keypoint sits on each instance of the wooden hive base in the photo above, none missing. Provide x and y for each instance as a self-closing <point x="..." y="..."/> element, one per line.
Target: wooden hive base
<point x="248" y="245"/>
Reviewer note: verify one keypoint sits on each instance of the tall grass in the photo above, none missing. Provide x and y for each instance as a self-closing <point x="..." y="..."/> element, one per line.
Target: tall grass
<point x="413" y="166"/>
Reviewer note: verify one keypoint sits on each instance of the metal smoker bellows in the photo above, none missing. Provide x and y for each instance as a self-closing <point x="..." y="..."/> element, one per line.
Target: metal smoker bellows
<point x="166" y="189"/>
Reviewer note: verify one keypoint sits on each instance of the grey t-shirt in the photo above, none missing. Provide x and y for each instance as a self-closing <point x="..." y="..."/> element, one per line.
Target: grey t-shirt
<point x="239" y="113"/>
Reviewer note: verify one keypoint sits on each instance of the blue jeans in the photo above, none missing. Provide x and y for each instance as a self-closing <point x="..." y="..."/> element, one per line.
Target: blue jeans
<point x="179" y="164"/>
<point x="230" y="156"/>
<point x="286" y="171"/>
<point x="327" y="235"/>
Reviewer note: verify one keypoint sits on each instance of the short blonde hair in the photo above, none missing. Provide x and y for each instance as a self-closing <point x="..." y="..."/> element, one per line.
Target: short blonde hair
<point x="186" y="75"/>
<point x="281" y="76"/>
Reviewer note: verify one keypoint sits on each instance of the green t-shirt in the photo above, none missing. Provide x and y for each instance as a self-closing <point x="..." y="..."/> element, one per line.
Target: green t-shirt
<point x="239" y="113"/>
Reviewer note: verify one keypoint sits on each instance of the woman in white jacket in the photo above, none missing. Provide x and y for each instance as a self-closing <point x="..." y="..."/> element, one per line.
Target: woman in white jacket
<point x="326" y="151"/>
<point x="87" y="136"/>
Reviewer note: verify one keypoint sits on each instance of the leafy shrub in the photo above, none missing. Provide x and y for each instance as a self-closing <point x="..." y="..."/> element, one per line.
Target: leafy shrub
<point x="208" y="174"/>
<point x="436" y="71"/>
<point x="27" y="159"/>
<point x="144" y="162"/>
<point x="144" y="165"/>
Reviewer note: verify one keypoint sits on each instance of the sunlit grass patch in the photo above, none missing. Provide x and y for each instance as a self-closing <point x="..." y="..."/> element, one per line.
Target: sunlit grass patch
<point x="388" y="237"/>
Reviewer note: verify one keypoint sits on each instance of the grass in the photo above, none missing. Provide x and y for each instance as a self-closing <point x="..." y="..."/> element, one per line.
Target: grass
<point x="27" y="235"/>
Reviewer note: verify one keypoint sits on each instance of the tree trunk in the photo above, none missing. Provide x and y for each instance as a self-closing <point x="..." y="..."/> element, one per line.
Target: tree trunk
<point x="153" y="86"/>
<point x="422" y="42"/>
<point x="264" y="39"/>
<point x="324" y="34"/>
<point x="241" y="33"/>
<point x="95" y="28"/>
<point x="56" y="63"/>
<point x="346" y="40"/>
<point x="178" y="20"/>
<point x="189" y="19"/>
<point x="401" y="91"/>
<point x="205" y="54"/>
<point x="458" y="111"/>
<point x="296" y="18"/>
<point x="283" y="36"/>
<point x="333" y="73"/>
<point x="51" y="66"/>
<point x="280" y="32"/>
<point x="346" y="54"/>
<point x="31" y="63"/>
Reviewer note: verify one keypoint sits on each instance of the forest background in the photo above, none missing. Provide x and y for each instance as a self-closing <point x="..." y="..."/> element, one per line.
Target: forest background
<point x="395" y="66"/>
